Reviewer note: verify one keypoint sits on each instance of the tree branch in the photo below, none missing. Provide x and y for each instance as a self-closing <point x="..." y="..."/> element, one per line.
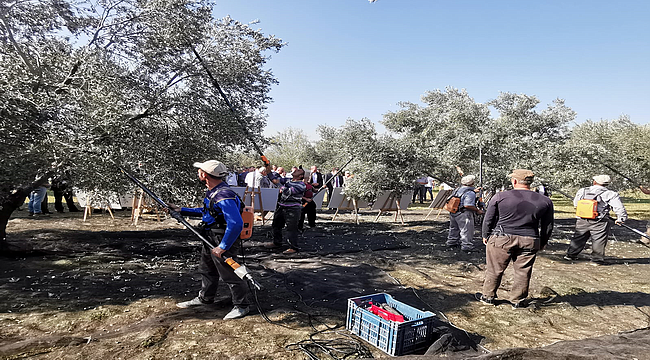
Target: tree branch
<point x="16" y="46"/>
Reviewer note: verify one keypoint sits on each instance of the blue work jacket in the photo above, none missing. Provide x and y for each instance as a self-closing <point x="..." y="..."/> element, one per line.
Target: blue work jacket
<point x="226" y="208"/>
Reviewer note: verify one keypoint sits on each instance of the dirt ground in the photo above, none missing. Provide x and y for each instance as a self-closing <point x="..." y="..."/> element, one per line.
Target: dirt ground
<point x="104" y="289"/>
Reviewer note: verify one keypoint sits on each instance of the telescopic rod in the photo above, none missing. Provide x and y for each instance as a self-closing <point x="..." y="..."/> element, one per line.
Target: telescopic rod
<point x="215" y="83"/>
<point x="240" y="270"/>
<point x="335" y="175"/>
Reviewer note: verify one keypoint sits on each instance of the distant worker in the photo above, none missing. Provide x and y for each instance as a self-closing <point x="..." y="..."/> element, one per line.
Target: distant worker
<point x="517" y="224"/>
<point x="62" y="190"/>
<point x="592" y="210"/>
<point x="221" y="223"/>
<point x="646" y="191"/>
<point x="308" y="206"/>
<point x="419" y="190"/>
<point x="336" y="182"/>
<point x="315" y="178"/>
<point x="461" y="223"/>
<point x="288" y="213"/>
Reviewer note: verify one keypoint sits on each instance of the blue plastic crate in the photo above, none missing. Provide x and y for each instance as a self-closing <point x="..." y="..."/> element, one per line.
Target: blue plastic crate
<point x="393" y="338"/>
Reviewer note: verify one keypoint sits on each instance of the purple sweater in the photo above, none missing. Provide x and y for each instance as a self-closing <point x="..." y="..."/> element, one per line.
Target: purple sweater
<point x="519" y="212"/>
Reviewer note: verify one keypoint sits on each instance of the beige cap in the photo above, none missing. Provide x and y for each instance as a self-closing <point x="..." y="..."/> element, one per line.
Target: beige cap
<point x="522" y="174"/>
<point x="602" y="179"/>
<point x="212" y="167"/>
<point x="468" y="180"/>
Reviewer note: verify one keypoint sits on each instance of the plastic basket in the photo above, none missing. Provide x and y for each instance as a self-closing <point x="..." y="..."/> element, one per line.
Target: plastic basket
<point x="393" y="338"/>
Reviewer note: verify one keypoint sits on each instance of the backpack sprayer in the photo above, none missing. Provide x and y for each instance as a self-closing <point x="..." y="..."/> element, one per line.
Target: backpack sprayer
<point x="240" y="270"/>
<point x="608" y="218"/>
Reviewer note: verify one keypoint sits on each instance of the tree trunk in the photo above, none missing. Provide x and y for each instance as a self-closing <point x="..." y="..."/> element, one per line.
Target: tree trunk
<point x="11" y="202"/>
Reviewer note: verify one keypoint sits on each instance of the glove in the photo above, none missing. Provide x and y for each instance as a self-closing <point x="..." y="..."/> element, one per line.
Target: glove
<point x="619" y="222"/>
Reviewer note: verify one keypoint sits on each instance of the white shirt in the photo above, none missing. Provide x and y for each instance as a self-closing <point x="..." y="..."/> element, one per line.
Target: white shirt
<point x="231" y="179"/>
<point x="250" y="179"/>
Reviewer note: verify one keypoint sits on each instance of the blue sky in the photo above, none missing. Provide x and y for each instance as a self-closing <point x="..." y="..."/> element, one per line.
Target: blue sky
<point x="353" y="59"/>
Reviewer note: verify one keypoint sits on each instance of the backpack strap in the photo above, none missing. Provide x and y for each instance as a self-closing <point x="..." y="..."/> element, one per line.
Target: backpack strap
<point x="598" y="198"/>
<point x="212" y="202"/>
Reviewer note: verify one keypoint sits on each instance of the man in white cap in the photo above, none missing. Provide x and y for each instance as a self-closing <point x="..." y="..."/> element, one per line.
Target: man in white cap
<point x="221" y="223"/>
<point x="596" y="225"/>
<point x="461" y="224"/>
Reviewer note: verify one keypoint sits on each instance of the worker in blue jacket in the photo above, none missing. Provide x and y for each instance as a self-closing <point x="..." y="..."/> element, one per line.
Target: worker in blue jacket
<point x="222" y="224"/>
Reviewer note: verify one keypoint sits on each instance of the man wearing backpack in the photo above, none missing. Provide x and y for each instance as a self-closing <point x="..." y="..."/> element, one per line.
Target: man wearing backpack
<point x="592" y="208"/>
<point x="222" y="224"/>
<point x="461" y="222"/>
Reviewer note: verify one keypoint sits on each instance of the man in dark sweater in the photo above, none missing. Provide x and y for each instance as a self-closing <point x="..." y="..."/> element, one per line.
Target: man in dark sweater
<point x="288" y="213"/>
<point x="517" y="224"/>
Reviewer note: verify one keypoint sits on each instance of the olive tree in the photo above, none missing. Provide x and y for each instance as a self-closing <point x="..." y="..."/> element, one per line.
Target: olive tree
<point x="291" y="147"/>
<point x="617" y="147"/>
<point x="380" y="162"/>
<point x="90" y="86"/>
<point x="451" y="128"/>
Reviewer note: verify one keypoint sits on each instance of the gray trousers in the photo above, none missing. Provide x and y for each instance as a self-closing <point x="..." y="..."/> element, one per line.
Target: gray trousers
<point x="499" y="252"/>
<point x="213" y="268"/>
<point x="461" y="229"/>
<point x="598" y="231"/>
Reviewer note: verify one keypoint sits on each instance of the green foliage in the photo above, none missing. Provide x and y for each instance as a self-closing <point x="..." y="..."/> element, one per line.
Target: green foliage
<point x="87" y="88"/>
<point x="596" y="145"/>
<point x="451" y="128"/>
<point x="291" y="147"/>
<point x="380" y="162"/>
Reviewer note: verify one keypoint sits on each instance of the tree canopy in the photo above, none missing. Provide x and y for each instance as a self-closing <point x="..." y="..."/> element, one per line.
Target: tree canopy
<point x="87" y="86"/>
<point x="451" y="128"/>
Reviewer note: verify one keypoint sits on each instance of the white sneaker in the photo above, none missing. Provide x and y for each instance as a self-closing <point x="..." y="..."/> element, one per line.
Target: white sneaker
<point x="237" y="312"/>
<point x="194" y="302"/>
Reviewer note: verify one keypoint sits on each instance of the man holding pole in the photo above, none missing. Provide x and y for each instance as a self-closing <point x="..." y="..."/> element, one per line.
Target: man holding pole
<point x="221" y="223"/>
<point x="597" y="226"/>
<point x="288" y="213"/>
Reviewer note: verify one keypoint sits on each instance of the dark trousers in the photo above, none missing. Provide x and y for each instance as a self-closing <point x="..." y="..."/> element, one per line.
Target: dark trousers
<point x="598" y="231"/>
<point x="420" y="191"/>
<point x="63" y="193"/>
<point x="499" y="252"/>
<point x="289" y="216"/>
<point x="310" y="210"/>
<point x="213" y="268"/>
<point x="45" y="209"/>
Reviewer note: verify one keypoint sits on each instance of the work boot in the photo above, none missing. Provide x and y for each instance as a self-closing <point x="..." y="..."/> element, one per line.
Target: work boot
<point x="484" y="300"/>
<point x="519" y="305"/>
<point x="197" y="301"/>
<point x="237" y="312"/>
<point x="570" y="258"/>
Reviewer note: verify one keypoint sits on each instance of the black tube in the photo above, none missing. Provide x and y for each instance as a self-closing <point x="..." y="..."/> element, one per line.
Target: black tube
<point x="176" y="215"/>
<point x="232" y="108"/>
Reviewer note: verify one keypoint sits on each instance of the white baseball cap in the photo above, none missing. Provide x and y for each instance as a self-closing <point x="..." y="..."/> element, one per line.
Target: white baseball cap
<point x="468" y="180"/>
<point x="213" y="167"/>
<point x="602" y="179"/>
